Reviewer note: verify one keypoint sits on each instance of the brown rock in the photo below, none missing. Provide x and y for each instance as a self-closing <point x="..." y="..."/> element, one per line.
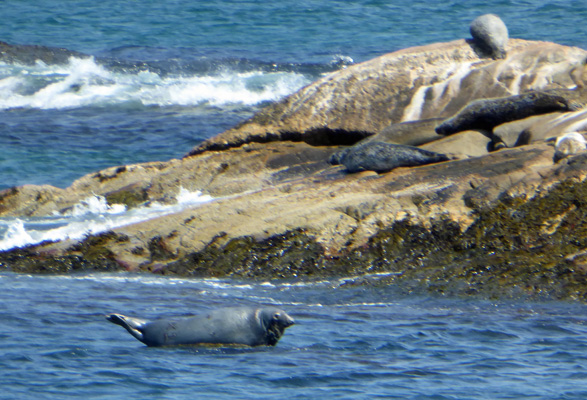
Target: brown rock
<point x="433" y="81"/>
<point x="540" y="127"/>
<point x="279" y="203"/>
<point x="412" y="133"/>
<point x="462" y="145"/>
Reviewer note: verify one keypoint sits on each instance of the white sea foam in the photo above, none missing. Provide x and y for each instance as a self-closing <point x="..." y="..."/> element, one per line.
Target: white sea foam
<point x="83" y="82"/>
<point x="94" y="205"/>
<point x="91" y="216"/>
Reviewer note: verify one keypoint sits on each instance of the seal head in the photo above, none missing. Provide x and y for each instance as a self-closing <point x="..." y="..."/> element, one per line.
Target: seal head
<point x="275" y="322"/>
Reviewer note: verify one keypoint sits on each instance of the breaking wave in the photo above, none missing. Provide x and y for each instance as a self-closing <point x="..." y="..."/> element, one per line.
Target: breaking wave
<point x="85" y="82"/>
<point x="89" y="217"/>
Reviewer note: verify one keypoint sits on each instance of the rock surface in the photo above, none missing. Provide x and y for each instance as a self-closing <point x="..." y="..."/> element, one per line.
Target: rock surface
<point x="498" y="223"/>
<point x="433" y="81"/>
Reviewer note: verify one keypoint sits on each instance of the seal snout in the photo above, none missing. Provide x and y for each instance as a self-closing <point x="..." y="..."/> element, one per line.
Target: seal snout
<point x="288" y="321"/>
<point x="283" y="319"/>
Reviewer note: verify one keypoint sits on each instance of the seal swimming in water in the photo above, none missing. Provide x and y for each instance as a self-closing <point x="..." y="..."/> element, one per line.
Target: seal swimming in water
<point x="486" y="114"/>
<point x="490" y="34"/>
<point x="383" y="157"/>
<point x="226" y="326"/>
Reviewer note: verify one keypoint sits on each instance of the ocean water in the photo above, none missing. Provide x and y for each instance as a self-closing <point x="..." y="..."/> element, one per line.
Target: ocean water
<point x="162" y="77"/>
<point x="348" y="342"/>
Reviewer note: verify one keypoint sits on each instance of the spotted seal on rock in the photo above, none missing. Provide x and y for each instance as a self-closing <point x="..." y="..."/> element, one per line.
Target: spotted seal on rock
<point x="226" y="326"/>
<point x="569" y="144"/>
<point x="485" y="114"/>
<point x="383" y="157"/>
<point x="490" y="35"/>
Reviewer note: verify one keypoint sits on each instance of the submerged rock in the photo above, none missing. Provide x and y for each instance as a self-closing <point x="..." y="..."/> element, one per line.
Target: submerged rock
<point x="30" y="54"/>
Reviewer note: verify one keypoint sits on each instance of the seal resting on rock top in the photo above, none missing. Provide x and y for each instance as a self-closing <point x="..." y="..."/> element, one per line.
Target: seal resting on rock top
<point x="226" y="326"/>
<point x="490" y="34"/>
<point x="486" y="114"/>
<point x="383" y="157"/>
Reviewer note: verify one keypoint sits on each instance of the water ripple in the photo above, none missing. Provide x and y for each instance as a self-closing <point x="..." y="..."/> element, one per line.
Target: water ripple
<point x="56" y="342"/>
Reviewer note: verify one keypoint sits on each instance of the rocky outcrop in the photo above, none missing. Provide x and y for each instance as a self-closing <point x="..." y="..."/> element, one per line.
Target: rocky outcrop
<point x="494" y="222"/>
<point x="419" y="83"/>
<point x="30" y="54"/>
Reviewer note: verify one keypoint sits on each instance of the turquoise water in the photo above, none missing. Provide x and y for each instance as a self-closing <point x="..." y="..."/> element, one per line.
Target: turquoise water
<point x="348" y="343"/>
<point x="167" y="75"/>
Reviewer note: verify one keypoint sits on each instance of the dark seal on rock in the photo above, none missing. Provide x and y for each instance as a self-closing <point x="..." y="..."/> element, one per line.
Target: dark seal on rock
<point x="383" y="157"/>
<point x="486" y="114"/>
<point x="336" y="158"/>
<point x="226" y="326"/>
<point x="490" y="35"/>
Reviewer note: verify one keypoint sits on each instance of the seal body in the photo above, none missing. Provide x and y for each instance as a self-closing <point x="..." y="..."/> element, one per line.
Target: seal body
<point x="490" y="34"/>
<point x="485" y="114"/>
<point x="383" y="157"/>
<point x="226" y="326"/>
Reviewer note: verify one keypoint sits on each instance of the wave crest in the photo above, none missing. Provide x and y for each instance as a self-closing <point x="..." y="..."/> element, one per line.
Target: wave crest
<point x="84" y="82"/>
<point x="89" y="217"/>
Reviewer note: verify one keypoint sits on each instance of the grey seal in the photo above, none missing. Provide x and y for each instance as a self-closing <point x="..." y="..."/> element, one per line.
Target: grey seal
<point x="225" y="326"/>
<point x="490" y="35"/>
<point x="383" y="157"/>
<point x="485" y="114"/>
<point x="569" y="144"/>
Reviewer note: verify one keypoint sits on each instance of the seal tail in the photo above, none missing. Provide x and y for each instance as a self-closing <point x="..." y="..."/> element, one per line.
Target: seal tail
<point x="133" y="325"/>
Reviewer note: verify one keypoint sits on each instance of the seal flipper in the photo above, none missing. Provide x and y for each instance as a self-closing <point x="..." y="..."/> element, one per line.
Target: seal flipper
<point x="133" y="325"/>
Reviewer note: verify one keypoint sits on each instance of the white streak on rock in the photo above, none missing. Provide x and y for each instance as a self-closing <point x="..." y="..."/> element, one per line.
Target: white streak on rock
<point x="448" y="86"/>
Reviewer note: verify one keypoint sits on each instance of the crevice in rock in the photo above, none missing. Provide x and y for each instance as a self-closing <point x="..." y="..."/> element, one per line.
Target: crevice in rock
<point x="321" y="136"/>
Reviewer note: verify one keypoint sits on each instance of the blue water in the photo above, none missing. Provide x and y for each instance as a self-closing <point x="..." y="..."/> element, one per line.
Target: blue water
<point x="348" y="343"/>
<point x="168" y="74"/>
